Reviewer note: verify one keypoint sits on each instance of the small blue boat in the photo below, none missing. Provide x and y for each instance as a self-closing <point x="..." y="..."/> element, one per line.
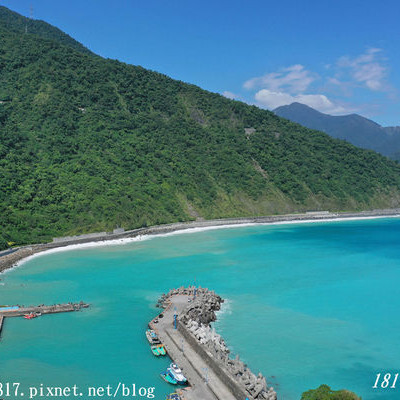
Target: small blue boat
<point x="169" y="378"/>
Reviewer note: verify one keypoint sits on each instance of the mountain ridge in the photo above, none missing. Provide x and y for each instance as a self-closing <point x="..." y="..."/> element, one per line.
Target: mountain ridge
<point x="12" y="21"/>
<point x="354" y="128"/>
<point x="88" y="144"/>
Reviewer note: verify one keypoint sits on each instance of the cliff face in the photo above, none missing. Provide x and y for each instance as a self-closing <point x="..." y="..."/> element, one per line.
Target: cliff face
<point x="88" y="144"/>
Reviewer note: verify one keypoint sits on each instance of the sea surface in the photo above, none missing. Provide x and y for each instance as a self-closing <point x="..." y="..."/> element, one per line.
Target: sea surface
<point x="306" y="304"/>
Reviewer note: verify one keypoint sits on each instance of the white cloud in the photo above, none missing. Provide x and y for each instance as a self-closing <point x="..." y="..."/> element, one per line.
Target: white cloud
<point x="347" y="77"/>
<point x="230" y="95"/>
<point x="367" y="69"/>
<point x="293" y="79"/>
<point x="271" y="100"/>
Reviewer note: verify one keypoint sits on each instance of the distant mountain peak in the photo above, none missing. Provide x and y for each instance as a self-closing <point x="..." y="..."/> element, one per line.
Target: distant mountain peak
<point x="354" y="128"/>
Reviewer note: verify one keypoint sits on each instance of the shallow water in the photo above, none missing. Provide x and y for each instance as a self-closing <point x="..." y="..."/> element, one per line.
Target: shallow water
<point x="306" y="304"/>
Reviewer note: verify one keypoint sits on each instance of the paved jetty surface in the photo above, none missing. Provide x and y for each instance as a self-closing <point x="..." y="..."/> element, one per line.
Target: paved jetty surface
<point x="18" y="311"/>
<point x="204" y="383"/>
<point x="56" y="308"/>
<point x="1" y="323"/>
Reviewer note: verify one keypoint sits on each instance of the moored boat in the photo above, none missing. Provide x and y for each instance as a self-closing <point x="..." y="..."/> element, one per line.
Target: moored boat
<point x="158" y="350"/>
<point x="152" y="337"/>
<point x="155" y="351"/>
<point x="168" y="377"/>
<point x="177" y="374"/>
<point x="173" y="396"/>
<point x="30" y="315"/>
<point x="161" y="350"/>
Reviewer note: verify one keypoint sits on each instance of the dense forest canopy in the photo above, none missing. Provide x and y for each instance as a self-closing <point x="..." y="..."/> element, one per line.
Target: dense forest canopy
<point x="14" y="22"/>
<point x="88" y="144"/>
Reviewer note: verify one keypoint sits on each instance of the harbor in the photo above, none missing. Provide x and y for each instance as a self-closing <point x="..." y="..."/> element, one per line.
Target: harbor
<point x="249" y="281"/>
<point x="184" y="329"/>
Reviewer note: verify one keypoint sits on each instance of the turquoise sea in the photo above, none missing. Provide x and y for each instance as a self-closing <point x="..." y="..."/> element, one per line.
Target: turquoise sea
<point x="306" y="304"/>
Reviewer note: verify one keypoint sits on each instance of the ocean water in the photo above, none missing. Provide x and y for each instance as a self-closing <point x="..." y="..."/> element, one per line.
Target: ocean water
<point x="306" y="304"/>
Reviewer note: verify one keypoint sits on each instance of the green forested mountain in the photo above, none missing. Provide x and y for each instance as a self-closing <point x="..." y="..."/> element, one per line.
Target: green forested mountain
<point x="14" y="22"/>
<point x="88" y="144"/>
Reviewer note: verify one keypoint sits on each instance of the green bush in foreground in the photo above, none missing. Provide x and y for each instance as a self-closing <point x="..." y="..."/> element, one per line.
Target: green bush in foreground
<point x="324" y="392"/>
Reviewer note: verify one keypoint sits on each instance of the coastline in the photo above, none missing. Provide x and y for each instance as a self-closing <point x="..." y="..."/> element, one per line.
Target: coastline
<point x="22" y="254"/>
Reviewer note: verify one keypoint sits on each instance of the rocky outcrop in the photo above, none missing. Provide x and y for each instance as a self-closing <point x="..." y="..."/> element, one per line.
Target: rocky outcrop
<point x="195" y="320"/>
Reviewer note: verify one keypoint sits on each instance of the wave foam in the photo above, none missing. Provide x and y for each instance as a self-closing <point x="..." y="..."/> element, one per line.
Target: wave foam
<point x="139" y="238"/>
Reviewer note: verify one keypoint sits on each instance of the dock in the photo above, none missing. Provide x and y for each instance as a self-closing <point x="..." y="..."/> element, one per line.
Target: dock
<point x="204" y="384"/>
<point x="20" y="311"/>
<point x="184" y="329"/>
<point x="1" y="324"/>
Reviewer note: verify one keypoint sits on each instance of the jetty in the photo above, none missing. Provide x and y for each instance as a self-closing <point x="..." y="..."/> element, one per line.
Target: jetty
<point x="1" y="324"/>
<point x="184" y="328"/>
<point x="20" y="311"/>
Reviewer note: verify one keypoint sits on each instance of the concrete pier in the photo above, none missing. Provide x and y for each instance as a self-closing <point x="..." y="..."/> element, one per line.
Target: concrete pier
<point x="204" y="384"/>
<point x="1" y="324"/>
<point x="19" y="311"/>
<point x="201" y="353"/>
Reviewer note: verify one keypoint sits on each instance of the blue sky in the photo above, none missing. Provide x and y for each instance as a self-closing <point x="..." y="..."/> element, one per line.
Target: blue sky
<point x="336" y="56"/>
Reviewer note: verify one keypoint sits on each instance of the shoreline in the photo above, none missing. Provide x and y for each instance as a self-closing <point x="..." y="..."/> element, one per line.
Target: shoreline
<point x="23" y="254"/>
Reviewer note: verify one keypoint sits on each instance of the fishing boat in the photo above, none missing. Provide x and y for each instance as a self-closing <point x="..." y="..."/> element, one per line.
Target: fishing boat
<point x="152" y="337"/>
<point x="30" y="315"/>
<point x="168" y="377"/>
<point x="161" y="350"/>
<point x="173" y="396"/>
<point x="154" y="350"/>
<point x="177" y="374"/>
<point x="158" y="350"/>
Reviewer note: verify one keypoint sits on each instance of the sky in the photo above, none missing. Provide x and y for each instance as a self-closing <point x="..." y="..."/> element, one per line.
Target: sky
<point x="339" y="57"/>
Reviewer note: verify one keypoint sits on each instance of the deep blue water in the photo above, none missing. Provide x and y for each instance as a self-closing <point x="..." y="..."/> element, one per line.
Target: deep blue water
<point x="306" y="304"/>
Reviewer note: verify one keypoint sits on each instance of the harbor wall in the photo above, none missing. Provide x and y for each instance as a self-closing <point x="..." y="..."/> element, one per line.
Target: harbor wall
<point x="42" y="309"/>
<point x="233" y="386"/>
<point x="8" y="251"/>
<point x="1" y="324"/>
<point x="79" y="237"/>
<point x="194" y="326"/>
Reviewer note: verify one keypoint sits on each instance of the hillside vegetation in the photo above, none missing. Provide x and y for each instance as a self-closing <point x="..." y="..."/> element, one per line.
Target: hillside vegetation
<point x="19" y="24"/>
<point x="88" y="144"/>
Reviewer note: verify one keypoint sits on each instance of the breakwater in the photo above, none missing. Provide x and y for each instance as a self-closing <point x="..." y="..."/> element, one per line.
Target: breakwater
<point x="19" y="311"/>
<point x="1" y="324"/>
<point x="193" y="323"/>
<point x="8" y="260"/>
